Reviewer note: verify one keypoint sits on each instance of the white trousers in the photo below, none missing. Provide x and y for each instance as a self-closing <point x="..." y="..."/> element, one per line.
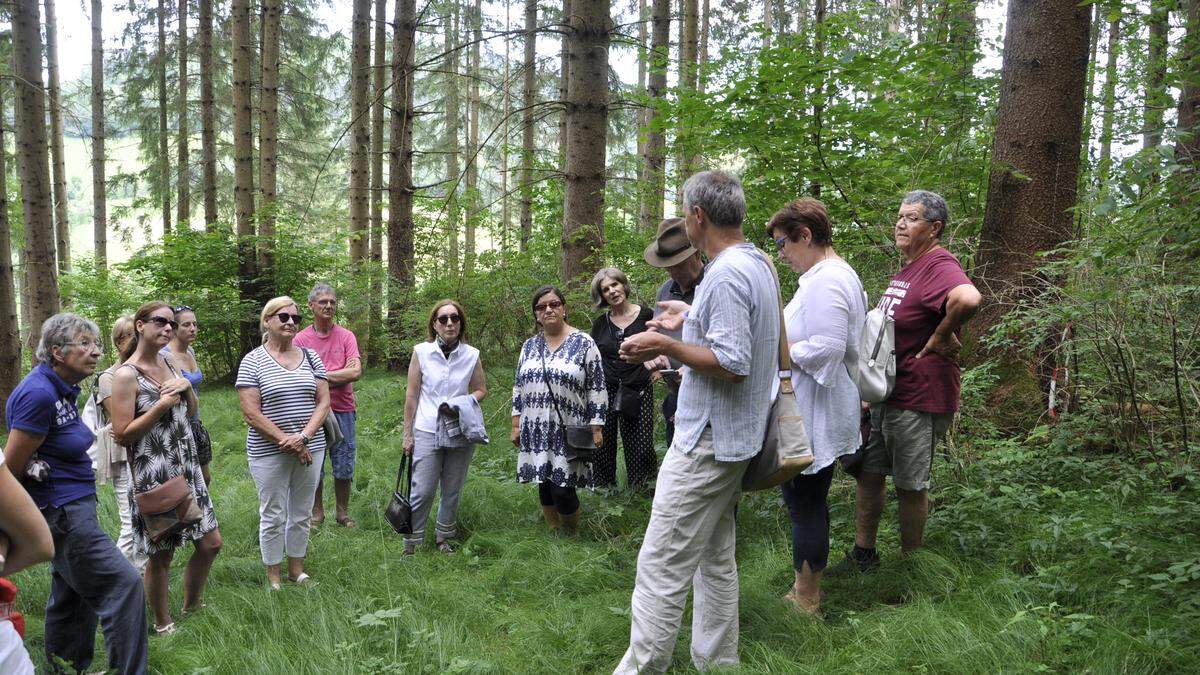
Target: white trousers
<point x="286" y="489"/>
<point x="689" y="543"/>
<point x="121" y="480"/>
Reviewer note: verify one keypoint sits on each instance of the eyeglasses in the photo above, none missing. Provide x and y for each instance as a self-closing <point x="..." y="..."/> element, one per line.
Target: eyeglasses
<point x="448" y="319"/>
<point x="161" y="321"/>
<point x="780" y="242"/>
<point x="285" y="317"/>
<point x="549" y="304"/>
<point x="912" y="219"/>
<point x="87" y="345"/>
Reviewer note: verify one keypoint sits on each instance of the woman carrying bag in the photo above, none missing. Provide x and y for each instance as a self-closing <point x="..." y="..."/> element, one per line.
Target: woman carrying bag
<point x="442" y="421"/>
<point x="150" y="407"/>
<point x="558" y="394"/>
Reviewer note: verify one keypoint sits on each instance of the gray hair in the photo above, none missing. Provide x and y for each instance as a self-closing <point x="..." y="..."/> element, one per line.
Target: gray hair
<point x="934" y="207"/>
<point x="719" y="194"/>
<point x="607" y="273"/>
<point x="59" y="331"/>
<point x="320" y="289"/>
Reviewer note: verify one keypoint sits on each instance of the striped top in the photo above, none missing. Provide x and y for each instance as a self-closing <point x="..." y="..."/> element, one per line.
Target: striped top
<point x="288" y="397"/>
<point x="736" y="315"/>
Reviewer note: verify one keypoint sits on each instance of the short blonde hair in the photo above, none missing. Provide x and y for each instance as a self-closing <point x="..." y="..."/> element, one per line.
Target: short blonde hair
<point x="271" y="309"/>
<point x="607" y="273"/>
<point x="121" y="327"/>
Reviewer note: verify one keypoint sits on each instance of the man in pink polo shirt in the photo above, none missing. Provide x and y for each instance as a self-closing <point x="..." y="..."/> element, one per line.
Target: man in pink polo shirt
<point x="338" y="349"/>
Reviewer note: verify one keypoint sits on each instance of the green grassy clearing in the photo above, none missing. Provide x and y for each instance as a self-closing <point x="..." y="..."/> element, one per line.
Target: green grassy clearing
<point x="1037" y="560"/>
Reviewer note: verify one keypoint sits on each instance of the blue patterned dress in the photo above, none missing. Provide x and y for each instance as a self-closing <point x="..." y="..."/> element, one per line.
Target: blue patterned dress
<point x="577" y="376"/>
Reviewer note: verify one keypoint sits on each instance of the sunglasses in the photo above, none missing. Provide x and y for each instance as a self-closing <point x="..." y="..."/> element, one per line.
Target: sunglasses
<point x="551" y="304"/>
<point x="447" y="319"/>
<point x="780" y="242"/>
<point x="183" y="308"/>
<point x="161" y="321"/>
<point x="285" y="317"/>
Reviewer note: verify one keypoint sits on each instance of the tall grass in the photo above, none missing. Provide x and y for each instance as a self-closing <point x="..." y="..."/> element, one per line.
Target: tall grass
<point x="1036" y="560"/>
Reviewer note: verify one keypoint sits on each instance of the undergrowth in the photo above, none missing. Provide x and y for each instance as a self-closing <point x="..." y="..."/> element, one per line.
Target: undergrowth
<point x="1038" y="559"/>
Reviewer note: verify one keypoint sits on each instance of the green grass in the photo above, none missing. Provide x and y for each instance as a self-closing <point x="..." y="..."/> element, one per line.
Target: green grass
<point x="1037" y="560"/>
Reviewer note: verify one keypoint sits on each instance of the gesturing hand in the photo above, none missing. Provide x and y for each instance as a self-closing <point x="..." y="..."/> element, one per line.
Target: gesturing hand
<point x="643" y="346"/>
<point x="671" y="317"/>
<point x="947" y="346"/>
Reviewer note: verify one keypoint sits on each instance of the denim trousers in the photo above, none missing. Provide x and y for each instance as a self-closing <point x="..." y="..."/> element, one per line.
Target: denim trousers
<point x="90" y="582"/>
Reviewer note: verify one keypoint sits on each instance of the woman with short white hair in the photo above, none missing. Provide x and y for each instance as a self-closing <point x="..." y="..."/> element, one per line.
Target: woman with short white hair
<point x="285" y="399"/>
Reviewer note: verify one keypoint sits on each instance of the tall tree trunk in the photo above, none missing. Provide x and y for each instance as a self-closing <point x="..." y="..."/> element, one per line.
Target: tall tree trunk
<point x="564" y="74"/>
<point x="655" y="159"/>
<point x="768" y="22"/>
<point x="452" y="137"/>
<point x="587" y="126"/>
<point x="1187" y="148"/>
<point x="472" y="153"/>
<point x="643" y="114"/>
<point x="360" y="71"/>
<point x="164" y="156"/>
<point x="702" y="55"/>
<point x="184" y="199"/>
<point x="1109" y="95"/>
<point x="62" y="220"/>
<point x="1089" y="105"/>
<point x="375" y="303"/>
<point x="1155" y="98"/>
<point x="10" y="334"/>
<point x="41" y="280"/>
<point x="528" y="97"/>
<point x="820" y="7"/>
<point x="689" y="47"/>
<point x="400" y="190"/>
<point x="99" y="200"/>
<point x="243" y="167"/>
<point x="506" y="106"/>
<point x="208" y="132"/>
<point x="1033" y="180"/>
<point x="268" y="136"/>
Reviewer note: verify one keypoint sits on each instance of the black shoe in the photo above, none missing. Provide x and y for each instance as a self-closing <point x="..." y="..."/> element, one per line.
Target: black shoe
<point x="858" y="560"/>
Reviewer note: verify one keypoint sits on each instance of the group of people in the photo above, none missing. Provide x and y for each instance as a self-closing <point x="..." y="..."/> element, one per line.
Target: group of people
<point x="712" y="339"/>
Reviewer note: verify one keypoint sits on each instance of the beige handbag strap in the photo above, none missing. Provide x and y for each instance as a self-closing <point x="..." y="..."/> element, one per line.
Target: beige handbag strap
<point x="785" y="358"/>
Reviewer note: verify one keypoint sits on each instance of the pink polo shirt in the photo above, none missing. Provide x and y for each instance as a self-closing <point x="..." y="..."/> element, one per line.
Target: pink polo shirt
<point x="336" y="349"/>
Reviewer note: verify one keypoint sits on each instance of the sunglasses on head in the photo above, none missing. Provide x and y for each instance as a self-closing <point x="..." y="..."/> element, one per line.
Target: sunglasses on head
<point x="161" y="321"/>
<point x="285" y="317"/>
<point x="549" y="304"/>
<point x="446" y="319"/>
<point x="183" y="308"/>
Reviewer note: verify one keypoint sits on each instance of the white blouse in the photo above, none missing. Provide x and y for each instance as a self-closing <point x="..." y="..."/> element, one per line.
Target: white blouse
<point x="823" y="320"/>
<point x="442" y="379"/>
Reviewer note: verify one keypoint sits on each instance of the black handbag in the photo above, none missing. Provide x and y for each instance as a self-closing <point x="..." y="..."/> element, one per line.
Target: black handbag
<point x="578" y="442"/>
<point x="629" y="400"/>
<point x="853" y="462"/>
<point x="399" y="510"/>
<point x="202" y="439"/>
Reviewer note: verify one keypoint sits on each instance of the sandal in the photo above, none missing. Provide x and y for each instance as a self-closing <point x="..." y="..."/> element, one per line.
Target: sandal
<point x="303" y="580"/>
<point x="347" y="521"/>
<point x="410" y="549"/>
<point x="168" y="629"/>
<point x="445" y="547"/>
<point x="185" y="611"/>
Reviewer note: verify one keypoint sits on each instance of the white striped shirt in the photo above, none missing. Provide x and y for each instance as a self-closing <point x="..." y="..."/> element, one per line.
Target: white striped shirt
<point x="736" y="315"/>
<point x="288" y="397"/>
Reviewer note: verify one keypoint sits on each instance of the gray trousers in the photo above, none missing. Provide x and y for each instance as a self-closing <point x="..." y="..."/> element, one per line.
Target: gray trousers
<point x="286" y="489"/>
<point x="433" y="464"/>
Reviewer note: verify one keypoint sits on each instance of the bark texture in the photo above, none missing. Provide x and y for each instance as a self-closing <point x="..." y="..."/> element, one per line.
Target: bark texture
<point x="268" y="136"/>
<point x="243" y="168"/>
<point x="472" y="152"/>
<point x="183" y="199"/>
<point x="655" y="159"/>
<point x="451" y="139"/>
<point x="528" y="98"/>
<point x="208" y="132"/>
<point x="62" y="221"/>
<point x="374" y="337"/>
<point x="564" y="75"/>
<point x="1156" y="99"/>
<point x="587" y="126"/>
<point x="1109" y="99"/>
<point x="400" y="191"/>
<point x="689" y="49"/>
<point x="99" y="200"/>
<point x="1033" y="180"/>
<point x="1187" y="149"/>
<point x="360" y="131"/>
<point x="164" y="156"/>
<point x="41" y="279"/>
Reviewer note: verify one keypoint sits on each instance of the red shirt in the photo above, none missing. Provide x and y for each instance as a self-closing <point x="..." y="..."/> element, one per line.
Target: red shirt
<point x="336" y="348"/>
<point x="916" y="301"/>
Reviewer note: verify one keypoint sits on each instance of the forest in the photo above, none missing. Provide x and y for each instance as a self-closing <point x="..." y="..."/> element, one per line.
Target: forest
<point x="218" y="153"/>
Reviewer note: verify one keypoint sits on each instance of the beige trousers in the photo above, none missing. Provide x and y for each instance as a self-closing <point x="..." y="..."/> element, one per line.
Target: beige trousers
<point x="689" y="543"/>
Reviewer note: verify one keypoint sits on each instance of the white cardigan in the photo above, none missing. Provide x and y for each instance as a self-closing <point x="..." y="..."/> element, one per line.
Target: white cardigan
<point x="823" y="320"/>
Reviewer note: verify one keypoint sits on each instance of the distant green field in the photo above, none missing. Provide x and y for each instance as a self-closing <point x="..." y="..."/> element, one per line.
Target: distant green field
<point x="1036" y="562"/>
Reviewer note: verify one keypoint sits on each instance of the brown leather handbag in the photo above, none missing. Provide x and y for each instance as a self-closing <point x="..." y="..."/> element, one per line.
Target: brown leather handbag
<point x="168" y="508"/>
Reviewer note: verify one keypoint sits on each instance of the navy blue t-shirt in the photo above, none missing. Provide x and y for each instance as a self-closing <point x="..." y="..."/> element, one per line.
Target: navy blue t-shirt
<point x="44" y="404"/>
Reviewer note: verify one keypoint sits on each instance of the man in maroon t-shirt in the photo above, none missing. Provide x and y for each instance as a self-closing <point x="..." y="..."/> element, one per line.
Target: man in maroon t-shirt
<point x="930" y="299"/>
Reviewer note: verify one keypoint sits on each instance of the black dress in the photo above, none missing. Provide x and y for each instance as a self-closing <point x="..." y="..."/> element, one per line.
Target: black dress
<point x="631" y="412"/>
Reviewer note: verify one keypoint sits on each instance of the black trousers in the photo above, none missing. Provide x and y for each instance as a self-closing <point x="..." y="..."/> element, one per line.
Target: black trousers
<point x="807" y="500"/>
<point x="637" y="436"/>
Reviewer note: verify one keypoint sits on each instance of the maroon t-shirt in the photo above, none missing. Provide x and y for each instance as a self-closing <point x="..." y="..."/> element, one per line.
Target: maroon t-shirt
<point x="916" y="301"/>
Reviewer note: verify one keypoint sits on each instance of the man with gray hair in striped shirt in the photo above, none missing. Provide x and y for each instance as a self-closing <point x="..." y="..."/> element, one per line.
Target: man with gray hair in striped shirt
<point x="729" y="353"/>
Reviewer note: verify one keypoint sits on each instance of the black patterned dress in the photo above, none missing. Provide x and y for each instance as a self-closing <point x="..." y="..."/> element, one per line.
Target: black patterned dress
<point x="166" y="451"/>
